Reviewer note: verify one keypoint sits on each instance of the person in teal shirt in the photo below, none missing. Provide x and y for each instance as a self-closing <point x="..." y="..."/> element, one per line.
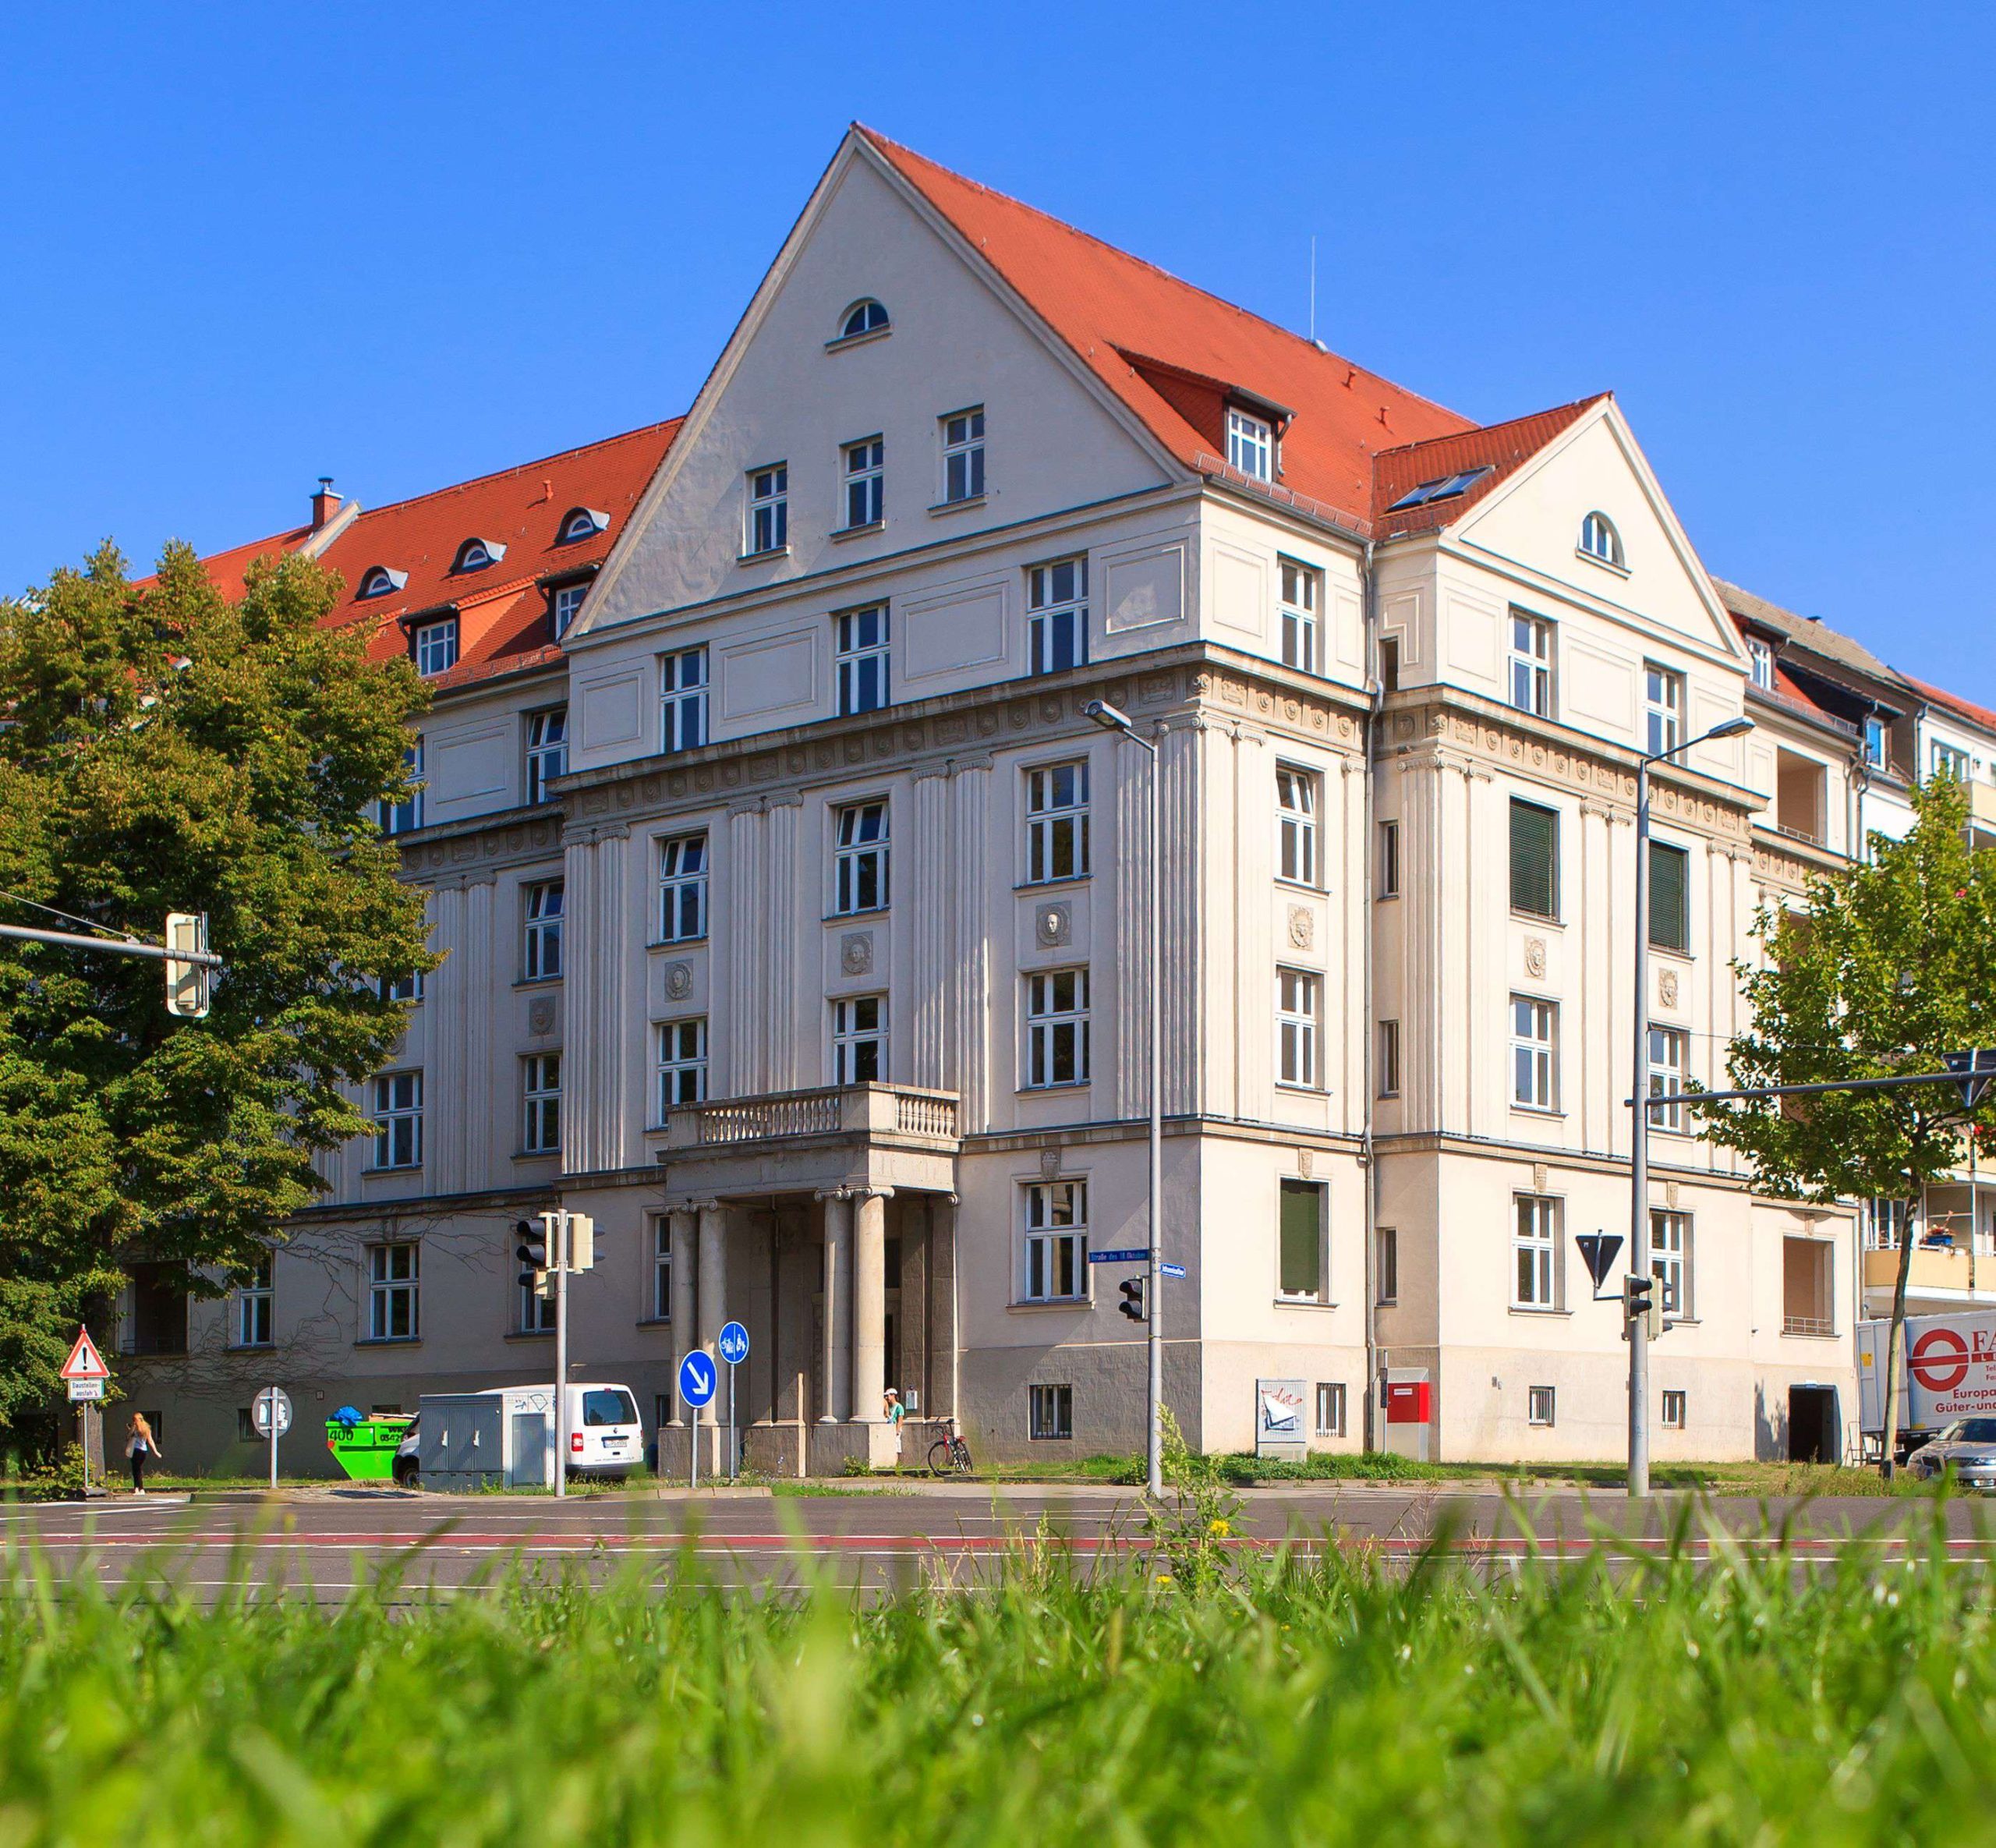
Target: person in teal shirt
<point x="894" y="1412"/>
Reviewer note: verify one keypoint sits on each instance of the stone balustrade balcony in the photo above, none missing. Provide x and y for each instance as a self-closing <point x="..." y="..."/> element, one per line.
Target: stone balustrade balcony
<point x="833" y="1135"/>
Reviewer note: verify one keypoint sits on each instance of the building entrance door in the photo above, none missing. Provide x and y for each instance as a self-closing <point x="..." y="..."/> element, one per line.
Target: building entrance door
<point x="1812" y="1424"/>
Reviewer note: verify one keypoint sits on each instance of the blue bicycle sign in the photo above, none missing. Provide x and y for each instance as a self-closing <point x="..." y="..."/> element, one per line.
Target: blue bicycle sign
<point x="733" y="1343"/>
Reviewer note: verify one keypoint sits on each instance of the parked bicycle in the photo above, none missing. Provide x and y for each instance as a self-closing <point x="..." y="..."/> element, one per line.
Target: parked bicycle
<point x="950" y="1456"/>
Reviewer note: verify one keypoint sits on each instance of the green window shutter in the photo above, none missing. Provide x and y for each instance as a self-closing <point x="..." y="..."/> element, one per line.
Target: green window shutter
<point x="1534" y="859"/>
<point x="1670" y="897"/>
<point x="1302" y="1238"/>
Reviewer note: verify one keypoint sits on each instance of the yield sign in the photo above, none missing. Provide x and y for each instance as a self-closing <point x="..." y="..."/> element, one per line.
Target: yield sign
<point x="84" y="1362"/>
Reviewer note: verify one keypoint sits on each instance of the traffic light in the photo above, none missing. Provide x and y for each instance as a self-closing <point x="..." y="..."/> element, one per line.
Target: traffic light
<point x="187" y="983"/>
<point x="1132" y="1304"/>
<point x="582" y="1241"/>
<point x="532" y="1251"/>
<point x="1642" y="1300"/>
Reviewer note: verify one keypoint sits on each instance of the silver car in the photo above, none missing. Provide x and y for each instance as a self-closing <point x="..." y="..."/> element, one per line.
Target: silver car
<point x="1967" y="1447"/>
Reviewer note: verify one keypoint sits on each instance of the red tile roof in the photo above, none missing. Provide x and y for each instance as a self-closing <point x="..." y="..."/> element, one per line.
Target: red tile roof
<point x="1954" y="702"/>
<point x="1154" y="342"/>
<point x="1500" y="448"/>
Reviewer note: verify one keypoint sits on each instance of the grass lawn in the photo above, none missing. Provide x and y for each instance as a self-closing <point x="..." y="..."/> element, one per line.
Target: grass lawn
<point x="1245" y="1700"/>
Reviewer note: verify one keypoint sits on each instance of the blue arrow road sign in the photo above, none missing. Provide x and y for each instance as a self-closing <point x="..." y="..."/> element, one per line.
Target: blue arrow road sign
<point x="1117" y="1257"/>
<point x="697" y="1374"/>
<point x="1172" y="1270"/>
<point x="733" y="1343"/>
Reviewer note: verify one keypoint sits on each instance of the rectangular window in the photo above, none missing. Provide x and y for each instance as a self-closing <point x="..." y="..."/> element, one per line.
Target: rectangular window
<point x="254" y="1301"/>
<point x="682" y="1064"/>
<point x="1876" y="751"/>
<point x="1050" y="1412"/>
<point x="1675" y="1407"/>
<point x="1301" y="590"/>
<point x="682" y="700"/>
<point x="401" y="988"/>
<point x="1250" y="445"/>
<point x="533" y="1312"/>
<point x="1389" y="1279"/>
<point x="1760" y="662"/>
<point x="1885" y="1223"/>
<point x="661" y="1267"/>
<point x="1389" y="859"/>
<point x="1663" y="708"/>
<point x="1296" y="1027"/>
<point x="1533" y="1078"/>
<point x="1530" y="668"/>
<point x="769" y="508"/>
<point x="548" y="750"/>
<point x="1535" y="1267"/>
<point x="398" y="1119"/>
<point x="544" y="900"/>
<point x="1330" y="1408"/>
<point x="1299" y="1270"/>
<point x="865" y="473"/>
<point x="863" y="659"/>
<point x="540" y="1083"/>
<point x="1670" y="1260"/>
<point x="682" y="889"/>
<point x="1534" y="859"/>
<point x="406" y="816"/>
<point x="859" y="1040"/>
<point x="1296" y="804"/>
<point x="567" y="605"/>
<point x="1539" y="1406"/>
<point x="1668" y="1049"/>
<point x="1057" y="822"/>
<point x="859" y="858"/>
<point x="963" y="454"/>
<point x="1057" y="615"/>
<point x="1056" y="1252"/>
<point x="1949" y="762"/>
<point x="1670" y="898"/>
<point x="1389" y="663"/>
<point x="1056" y="1028"/>
<point x="436" y="646"/>
<point x="393" y="1280"/>
<point x="1389" y="1058"/>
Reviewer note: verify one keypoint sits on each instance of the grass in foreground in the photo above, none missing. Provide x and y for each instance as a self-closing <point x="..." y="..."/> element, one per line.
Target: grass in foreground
<point x="1249" y="1700"/>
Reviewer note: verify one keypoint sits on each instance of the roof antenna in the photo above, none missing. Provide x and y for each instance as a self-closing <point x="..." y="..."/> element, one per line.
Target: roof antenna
<point x="1313" y="288"/>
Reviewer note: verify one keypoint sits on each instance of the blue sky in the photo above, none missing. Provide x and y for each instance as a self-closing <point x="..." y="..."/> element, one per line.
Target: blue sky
<point x="402" y="246"/>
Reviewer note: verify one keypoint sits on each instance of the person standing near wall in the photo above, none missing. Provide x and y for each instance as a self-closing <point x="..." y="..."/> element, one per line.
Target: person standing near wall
<point x="142" y="1447"/>
<point x="894" y="1412"/>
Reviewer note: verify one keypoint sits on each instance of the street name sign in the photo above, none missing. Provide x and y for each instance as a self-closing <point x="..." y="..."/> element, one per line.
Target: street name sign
<point x="1122" y="1257"/>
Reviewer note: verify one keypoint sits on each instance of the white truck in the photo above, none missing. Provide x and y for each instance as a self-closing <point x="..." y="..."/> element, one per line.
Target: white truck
<point x="505" y="1436"/>
<point x="1949" y="1372"/>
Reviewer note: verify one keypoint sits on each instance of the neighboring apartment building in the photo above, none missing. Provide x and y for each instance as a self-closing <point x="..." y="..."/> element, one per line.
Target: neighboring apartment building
<point x="794" y="908"/>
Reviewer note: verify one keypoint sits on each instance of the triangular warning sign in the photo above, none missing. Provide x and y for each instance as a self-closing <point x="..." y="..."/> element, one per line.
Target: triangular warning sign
<point x="84" y="1362"/>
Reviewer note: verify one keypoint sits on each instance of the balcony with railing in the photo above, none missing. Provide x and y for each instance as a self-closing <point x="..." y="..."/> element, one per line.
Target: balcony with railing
<point x="901" y="1112"/>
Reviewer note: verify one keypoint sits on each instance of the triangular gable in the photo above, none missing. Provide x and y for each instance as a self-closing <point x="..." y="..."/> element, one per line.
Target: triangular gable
<point x="1530" y="520"/>
<point x="1493" y="453"/>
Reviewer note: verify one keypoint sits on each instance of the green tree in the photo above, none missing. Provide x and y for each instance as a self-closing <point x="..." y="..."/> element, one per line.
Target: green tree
<point x="167" y="748"/>
<point x="1892" y="967"/>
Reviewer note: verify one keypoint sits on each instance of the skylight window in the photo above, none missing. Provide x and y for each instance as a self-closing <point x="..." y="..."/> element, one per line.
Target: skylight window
<point x="476" y="554"/>
<point x="379" y="580"/>
<point x="582" y="522"/>
<point x="866" y="316"/>
<point x="1446" y="488"/>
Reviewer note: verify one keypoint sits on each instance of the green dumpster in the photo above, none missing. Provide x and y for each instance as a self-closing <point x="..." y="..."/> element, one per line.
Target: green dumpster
<point x="366" y="1449"/>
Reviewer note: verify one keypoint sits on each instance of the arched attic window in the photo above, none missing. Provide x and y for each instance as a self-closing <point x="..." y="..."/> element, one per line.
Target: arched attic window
<point x="866" y="316"/>
<point x="1600" y="542"/>
<point x="581" y="522"/>
<point x="379" y="580"/>
<point x="476" y="554"/>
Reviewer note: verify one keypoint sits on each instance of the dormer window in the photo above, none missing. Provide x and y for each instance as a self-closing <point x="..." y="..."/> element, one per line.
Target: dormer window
<point x="379" y="580"/>
<point x="436" y="646"/>
<point x="476" y="554"/>
<point x="1760" y="662"/>
<point x="865" y="316"/>
<point x="581" y="522"/>
<point x="1251" y="444"/>
<point x="1599" y="541"/>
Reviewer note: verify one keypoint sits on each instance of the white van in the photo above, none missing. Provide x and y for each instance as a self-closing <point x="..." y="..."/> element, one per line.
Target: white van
<point x="505" y="1434"/>
<point x="606" y="1437"/>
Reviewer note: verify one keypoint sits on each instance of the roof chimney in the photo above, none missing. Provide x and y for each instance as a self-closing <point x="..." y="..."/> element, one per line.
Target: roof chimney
<point x="325" y="503"/>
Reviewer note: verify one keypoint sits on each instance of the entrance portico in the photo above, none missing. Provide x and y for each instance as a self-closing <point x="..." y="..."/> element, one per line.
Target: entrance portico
<point x="824" y="1221"/>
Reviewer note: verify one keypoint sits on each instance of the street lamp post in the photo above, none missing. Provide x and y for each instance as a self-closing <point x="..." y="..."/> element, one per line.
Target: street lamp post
<point x="1637" y="1326"/>
<point x="1107" y="717"/>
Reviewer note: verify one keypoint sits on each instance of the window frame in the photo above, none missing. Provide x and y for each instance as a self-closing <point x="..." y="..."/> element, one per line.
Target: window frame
<point x="390" y="816"/>
<point x="863" y="483"/>
<point x="546" y="757"/>
<point x="1681" y="1408"/>
<point x="1541" y="1243"/>
<point x="543" y="905"/>
<point x="1541" y="1407"/>
<point x="1541" y="1050"/>
<point x="254" y="1305"/>
<point x="863" y="310"/>
<point x="1301" y="592"/>
<point x="1052" y="1025"/>
<point x="1332" y="1418"/>
<point x="1597" y="527"/>
<point x="962" y="454"/>
<point x="1047" y="814"/>
<point x="1049" y="1404"/>
<point x="386" y="1288"/>
<point x="671" y="1064"/>
<point x="859" y="687"/>
<point x="564" y="605"/>
<point x="1674" y="1265"/>
<point x="677" y="882"/>
<point x="1389" y="869"/>
<point x="662" y="1256"/>
<point x="540" y="1099"/>
<point x="682" y="701"/>
<point x="1528" y="667"/>
<point x="1057" y="626"/>
<point x="1679" y="945"/>
<point x="862" y="857"/>
<point x="1289" y="1187"/>
<point x="1760" y="664"/>
<point x="440" y="639"/>
<point x="1251" y="443"/>
<point x="1298" y="1026"/>
<point x="1664" y="695"/>
<point x="1389" y="1044"/>
<point x="1386" y="1262"/>
<point x="1878" y="745"/>
<point x="1527" y="910"/>
<point x="1661" y="1035"/>
<point x="1053" y="1250"/>
<point x="765" y="515"/>
<point x="397" y="1121"/>
<point x="1957" y="763"/>
<point x="1299" y="794"/>
<point x="852" y="1037"/>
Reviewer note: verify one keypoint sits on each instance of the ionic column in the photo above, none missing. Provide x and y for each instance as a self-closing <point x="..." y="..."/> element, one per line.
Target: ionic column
<point x="683" y="1222"/>
<point x="869" y="1304"/>
<point x="713" y="1272"/>
<point x="836" y="1398"/>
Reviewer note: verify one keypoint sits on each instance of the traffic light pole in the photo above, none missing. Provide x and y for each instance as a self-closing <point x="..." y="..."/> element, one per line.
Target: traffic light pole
<point x="1637" y="1327"/>
<point x="556" y="1222"/>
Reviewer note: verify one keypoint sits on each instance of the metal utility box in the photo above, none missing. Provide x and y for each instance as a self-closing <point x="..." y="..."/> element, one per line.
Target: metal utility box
<point x="1409" y="1399"/>
<point x="504" y="1438"/>
<point x="1279" y="1410"/>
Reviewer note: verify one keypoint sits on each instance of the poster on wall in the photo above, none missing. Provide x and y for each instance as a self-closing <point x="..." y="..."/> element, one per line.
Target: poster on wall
<point x="1278" y="1409"/>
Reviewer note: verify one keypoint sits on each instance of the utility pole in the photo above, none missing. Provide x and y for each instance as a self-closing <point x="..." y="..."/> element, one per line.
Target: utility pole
<point x="557" y="1223"/>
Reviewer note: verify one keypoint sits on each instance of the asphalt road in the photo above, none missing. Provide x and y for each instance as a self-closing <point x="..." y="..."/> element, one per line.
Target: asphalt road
<point x="317" y="1541"/>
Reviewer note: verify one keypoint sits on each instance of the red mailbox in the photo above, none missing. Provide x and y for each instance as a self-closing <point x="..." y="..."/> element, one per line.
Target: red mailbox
<point x="1409" y="1401"/>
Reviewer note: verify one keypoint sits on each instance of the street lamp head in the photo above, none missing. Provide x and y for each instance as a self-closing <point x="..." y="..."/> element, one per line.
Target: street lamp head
<point x="1734" y="728"/>
<point x="1106" y="716"/>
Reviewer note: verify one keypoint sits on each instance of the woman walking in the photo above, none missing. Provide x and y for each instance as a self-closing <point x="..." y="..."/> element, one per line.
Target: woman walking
<point x="142" y="1447"/>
